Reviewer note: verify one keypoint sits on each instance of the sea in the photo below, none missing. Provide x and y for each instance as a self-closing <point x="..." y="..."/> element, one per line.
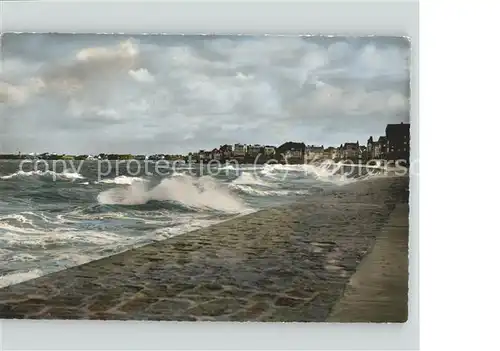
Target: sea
<point x="54" y="215"/>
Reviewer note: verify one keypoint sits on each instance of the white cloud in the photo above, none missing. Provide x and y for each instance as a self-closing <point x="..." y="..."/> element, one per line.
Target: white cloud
<point x="141" y="75"/>
<point x="326" y="99"/>
<point x="12" y="94"/>
<point x="205" y="87"/>
<point x="108" y="114"/>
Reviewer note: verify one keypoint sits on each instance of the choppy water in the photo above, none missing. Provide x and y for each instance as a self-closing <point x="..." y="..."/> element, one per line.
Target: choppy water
<point x="57" y="217"/>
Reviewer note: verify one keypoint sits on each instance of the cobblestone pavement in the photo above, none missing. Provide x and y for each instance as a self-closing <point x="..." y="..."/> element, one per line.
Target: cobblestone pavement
<point x="283" y="264"/>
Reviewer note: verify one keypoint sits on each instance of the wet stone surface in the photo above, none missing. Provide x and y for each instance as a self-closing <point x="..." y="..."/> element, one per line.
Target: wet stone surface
<point x="284" y="264"/>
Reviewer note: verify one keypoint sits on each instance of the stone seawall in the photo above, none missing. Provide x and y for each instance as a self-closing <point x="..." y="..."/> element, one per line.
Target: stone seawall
<point x="288" y="263"/>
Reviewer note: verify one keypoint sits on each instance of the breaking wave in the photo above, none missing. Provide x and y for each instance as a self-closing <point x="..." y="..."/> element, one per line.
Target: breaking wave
<point x="250" y="179"/>
<point x="259" y="192"/>
<point x="254" y="185"/>
<point x="326" y="172"/>
<point x="44" y="174"/>
<point x="18" y="277"/>
<point x="122" y="180"/>
<point x="195" y="193"/>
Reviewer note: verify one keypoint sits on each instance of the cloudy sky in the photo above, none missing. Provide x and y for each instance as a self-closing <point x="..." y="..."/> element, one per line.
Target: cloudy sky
<point x="175" y="94"/>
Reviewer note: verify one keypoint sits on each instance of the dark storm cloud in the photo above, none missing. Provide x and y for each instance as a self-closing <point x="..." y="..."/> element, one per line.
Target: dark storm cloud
<point x="104" y="93"/>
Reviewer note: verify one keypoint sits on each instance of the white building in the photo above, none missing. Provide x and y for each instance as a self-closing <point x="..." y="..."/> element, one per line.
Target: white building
<point x="350" y="150"/>
<point x="240" y="150"/>
<point x="293" y="154"/>
<point x="314" y="152"/>
<point x="254" y="150"/>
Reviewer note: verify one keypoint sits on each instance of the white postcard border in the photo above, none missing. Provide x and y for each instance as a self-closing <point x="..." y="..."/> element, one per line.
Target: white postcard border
<point x="390" y="18"/>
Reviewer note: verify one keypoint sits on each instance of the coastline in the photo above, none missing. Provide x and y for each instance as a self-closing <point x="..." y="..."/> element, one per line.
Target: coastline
<point x="289" y="263"/>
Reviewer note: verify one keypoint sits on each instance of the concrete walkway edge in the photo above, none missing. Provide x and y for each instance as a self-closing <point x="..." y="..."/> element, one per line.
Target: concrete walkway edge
<point x="378" y="291"/>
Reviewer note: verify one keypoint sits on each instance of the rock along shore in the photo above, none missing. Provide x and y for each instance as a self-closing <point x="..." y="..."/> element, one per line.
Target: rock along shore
<point x="288" y="263"/>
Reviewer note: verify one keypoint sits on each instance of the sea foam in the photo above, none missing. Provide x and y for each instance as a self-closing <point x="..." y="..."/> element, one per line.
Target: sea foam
<point x="200" y="193"/>
<point x="122" y="180"/>
<point x="45" y="174"/>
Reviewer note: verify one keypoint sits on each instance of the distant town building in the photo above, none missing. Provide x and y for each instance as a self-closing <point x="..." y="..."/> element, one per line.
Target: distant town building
<point x="331" y="153"/>
<point x="349" y="151"/>
<point x="363" y="153"/>
<point x="380" y="150"/>
<point x="398" y="141"/>
<point x="293" y="154"/>
<point x="216" y="154"/>
<point x="370" y="147"/>
<point x="226" y="151"/>
<point x="292" y="151"/>
<point x="205" y="156"/>
<point x="240" y="150"/>
<point x="314" y="148"/>
<point x="314" y="152"/>
<point x="254" y="150"/>
<point x="377" y="149"/>
<point x="269" y="150"/>
<point x="193" y="157"/>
